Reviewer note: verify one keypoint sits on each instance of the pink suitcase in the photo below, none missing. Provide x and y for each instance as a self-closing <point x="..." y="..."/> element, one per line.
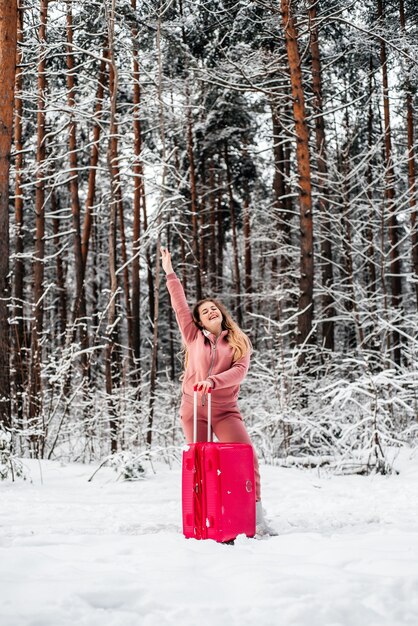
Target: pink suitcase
<point x="218" y="487"/>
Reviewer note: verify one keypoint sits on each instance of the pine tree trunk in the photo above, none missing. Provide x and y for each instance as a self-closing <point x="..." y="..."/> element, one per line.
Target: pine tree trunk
<point x="412" y="183"/>
<point x="203" y="266"/>
<point x="60" y="274"/>
<point x="154" y="354"/>
<point x="35" y="400"/>
<point x="180" y="227"/>
<point x="371" y="278"/>
<point x="94" y="157"/>
<point x="126" y="280"/>
<point x="183" y="263"/>
<point x="304" y="174"/>
<point x="138" y="182"/>
<point x="8" y="39"/>
<point x="20" y="343"/>
<point x="237" y="277"/>
<point x="111" y="348"/>
<point x="395" y="261"/>
<point x="220" y="236"/>
<point x="328" y="309"/>
<point x="280" y="190"/>
<point x="79" y="310"/>
<point x="355" y="332"/>
<point x="172" y="330"/>
<point x="283" y="212"/>
<point x="212" y="211"/>
<point x="248" y="271"/>
<point x="193" y="196"/>
<point x="117" y="194"/>
<point x="150" y="278"/>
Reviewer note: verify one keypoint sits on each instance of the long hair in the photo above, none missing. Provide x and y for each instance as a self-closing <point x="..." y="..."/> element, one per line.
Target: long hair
<point x="236" y="337"/>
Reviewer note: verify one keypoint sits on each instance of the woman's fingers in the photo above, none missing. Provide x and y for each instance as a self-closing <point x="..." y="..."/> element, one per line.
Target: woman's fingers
<point x="166" y="260"/>
<point x="204" y="386"/>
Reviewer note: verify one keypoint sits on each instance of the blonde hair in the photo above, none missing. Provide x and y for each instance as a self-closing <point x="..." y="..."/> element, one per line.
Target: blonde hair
<point x="237" y="339"/>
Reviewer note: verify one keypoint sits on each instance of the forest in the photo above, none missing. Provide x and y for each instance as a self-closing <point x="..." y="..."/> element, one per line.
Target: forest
<point x="271" y="145"/>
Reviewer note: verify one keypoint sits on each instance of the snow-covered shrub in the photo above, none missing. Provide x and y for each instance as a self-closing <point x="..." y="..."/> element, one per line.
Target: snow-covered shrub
<point x="9" y="466"/>
<point x="347" y="417"/>
<point x="127" y="465"/>
<point x="5" y="453"/>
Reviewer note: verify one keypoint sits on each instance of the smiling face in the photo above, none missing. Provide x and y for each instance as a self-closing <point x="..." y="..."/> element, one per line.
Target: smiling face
<point x="210" y="317"/>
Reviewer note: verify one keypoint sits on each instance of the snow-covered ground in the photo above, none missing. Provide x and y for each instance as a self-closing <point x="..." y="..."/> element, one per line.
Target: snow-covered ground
<point x="106" y="553"/>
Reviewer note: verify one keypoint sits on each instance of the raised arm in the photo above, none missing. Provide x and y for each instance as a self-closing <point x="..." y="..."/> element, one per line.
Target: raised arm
<point x="184" y="317"/>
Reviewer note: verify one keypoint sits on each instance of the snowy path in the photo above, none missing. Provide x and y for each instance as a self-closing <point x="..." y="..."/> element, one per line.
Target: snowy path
<point x="112" y="554"/>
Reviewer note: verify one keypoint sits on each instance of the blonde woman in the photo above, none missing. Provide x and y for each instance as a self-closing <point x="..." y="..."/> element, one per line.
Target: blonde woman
<point x="218" y="356"/>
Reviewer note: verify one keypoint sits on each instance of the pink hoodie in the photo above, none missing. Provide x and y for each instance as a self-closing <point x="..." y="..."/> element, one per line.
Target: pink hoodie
<point x="208" y="360"/>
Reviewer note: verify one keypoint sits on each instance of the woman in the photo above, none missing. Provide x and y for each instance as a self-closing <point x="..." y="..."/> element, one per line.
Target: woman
<point x="217" y="356"/>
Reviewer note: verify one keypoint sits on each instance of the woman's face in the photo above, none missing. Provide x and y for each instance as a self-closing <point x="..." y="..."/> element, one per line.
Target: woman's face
<point x="210" y="317"/>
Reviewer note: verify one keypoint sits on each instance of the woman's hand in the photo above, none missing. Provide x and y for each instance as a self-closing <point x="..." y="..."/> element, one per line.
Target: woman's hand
<point x="166" y="260"/>
<point x="204" y="385"/>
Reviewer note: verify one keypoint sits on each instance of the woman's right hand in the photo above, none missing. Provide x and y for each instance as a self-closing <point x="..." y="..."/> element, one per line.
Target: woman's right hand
<point x="166" y="260"/>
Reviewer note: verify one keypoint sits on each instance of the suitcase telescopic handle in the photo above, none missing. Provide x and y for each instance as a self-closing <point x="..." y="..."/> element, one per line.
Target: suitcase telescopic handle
<point x="209" y="436"/>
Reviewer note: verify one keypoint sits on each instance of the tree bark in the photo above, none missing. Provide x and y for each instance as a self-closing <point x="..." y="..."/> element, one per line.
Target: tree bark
<point x="8" y="41"/>
<point x="328" y="308"/>
<point x="35" y="400"/>
<point x="304" y="174"/>
<point x="138" y="183"/>
<point x="150" y="278"/>
<point x="221" y="236"/>
<point x="94" y="156"/>
<point x="126" y="280"/>
<point x="237" y="275"/>
<point x="281" y="193"/>
<point x="412" y="183"/>
<point x="371" y="265"/>
<point x="248" y="271"/>
<point x="60" y="272"/>
<point x="203" y="265"/>
<point x="79" y="310"/>
<point x="193" y="196"/>
<point x="111" y="348"/>
<point x="356" y="338"/>
<point x="154" y="354"/>
<point x="212" y="210"/>
<point x="283" y="213"/>
<point x="20" y="340"/>
<point x="395" y="261"/>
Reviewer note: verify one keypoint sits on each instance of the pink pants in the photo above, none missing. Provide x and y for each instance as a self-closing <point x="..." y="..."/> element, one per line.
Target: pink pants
<point x="227" y="424"/>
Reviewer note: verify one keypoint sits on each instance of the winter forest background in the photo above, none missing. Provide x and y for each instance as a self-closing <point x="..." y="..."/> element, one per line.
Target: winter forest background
<point x="271" y="146"/>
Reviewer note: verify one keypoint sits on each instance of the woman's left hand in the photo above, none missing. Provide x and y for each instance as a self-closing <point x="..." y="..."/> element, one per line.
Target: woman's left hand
<point x="204" y="385"/>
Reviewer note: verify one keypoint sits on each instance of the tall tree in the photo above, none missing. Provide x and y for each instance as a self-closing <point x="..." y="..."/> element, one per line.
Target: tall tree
<point x="328" y="310"/>
<point x="193" y="196"/>
<point x="395" y="252"/>
<point x="94" y="156"/>
<point x="111" y="346"/>
<point x="304" y="175"/>
<point x="138" y="184"/>
<point x="79" y="311"/>
<point x="237" y="273"/>
<point x="35" y="400"/>
<point x="8" y="40"/>
<point x="20" y="369"/>
<point x="412" y="183"/>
